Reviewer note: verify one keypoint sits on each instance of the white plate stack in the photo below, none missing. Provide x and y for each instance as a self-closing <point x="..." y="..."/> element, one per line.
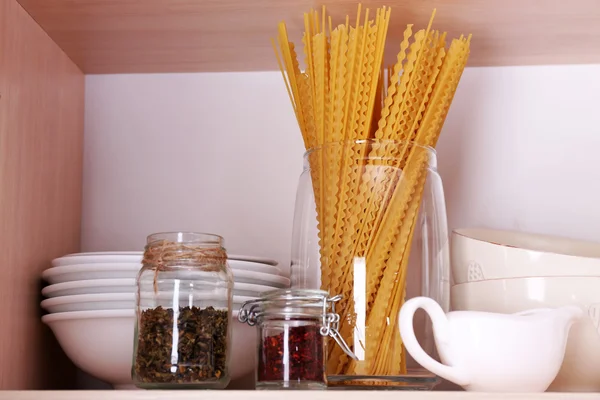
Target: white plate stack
<point x="91" y="302"/>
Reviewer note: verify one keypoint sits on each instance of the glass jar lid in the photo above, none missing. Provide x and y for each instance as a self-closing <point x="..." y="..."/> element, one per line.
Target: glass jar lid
<point x="288" y="304"/>
<point x="294" y="304"/>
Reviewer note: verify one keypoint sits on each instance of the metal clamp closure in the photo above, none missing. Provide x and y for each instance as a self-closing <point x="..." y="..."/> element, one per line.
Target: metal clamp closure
<point x="332" y="326"/>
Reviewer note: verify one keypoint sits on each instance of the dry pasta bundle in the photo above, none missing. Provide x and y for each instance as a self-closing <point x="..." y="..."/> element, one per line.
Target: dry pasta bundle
<point x="367" y="209"/>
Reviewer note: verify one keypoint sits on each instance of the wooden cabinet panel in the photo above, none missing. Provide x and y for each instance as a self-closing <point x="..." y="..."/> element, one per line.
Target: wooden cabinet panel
<point x="129" y="36"/>
<point x="41" y="144"/>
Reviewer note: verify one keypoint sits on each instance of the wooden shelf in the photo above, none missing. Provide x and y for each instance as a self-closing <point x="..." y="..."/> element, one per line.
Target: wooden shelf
<point x="132" y="36"/>
<point x="277" y="395"/>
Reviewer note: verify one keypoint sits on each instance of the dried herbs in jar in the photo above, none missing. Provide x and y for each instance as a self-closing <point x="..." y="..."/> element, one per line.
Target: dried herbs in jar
<point x="197" y="354"/>
<point x="183" y="309"/>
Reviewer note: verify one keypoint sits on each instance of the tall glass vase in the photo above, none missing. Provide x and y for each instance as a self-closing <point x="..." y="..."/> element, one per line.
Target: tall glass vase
<point x="370" y="225"/>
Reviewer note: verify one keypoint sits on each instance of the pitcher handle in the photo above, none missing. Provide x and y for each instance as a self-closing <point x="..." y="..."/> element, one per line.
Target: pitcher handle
<point x="441" y="331"/>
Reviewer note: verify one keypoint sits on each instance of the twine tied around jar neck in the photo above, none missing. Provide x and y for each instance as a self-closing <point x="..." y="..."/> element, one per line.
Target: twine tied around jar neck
<point x="161" y="253"/>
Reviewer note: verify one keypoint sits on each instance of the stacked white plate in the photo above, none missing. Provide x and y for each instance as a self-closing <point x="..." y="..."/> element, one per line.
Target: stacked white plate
<point x="91" y="302"/>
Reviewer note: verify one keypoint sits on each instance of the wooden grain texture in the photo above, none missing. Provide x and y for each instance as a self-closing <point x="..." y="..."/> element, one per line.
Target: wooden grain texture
<point x="41" y="144"/>
<point x="120" y="36"/>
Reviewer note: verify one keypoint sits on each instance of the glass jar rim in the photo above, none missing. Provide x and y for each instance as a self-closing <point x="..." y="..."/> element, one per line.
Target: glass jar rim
<point x="308" y="152"/>
<point x="282" y="293"/>
<point x="195" y="238"/>
<point x="288" y="303"/>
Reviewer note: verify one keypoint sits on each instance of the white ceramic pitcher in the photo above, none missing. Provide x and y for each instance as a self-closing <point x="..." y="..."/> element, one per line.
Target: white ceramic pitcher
<point x="492" y="352"/>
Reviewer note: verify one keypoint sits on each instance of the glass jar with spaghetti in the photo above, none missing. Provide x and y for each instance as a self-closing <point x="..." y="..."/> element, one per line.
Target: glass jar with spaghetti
<point x="183" y="310"/>
<point x="370" y="225"/>
<point x="292" y="329"/>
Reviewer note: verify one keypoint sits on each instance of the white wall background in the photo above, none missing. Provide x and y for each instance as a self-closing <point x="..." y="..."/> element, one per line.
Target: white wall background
<point x="221" y="153"/>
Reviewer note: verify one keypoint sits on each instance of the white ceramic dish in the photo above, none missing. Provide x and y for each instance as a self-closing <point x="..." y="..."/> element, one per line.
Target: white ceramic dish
<point x="98" y="342"/>
<point x="90" y="302"/>
<point x="485" y="254"/>
<point x="135" y="256"/>
<point x="259" y="260"/>
<point x="128" y="285"/>
<point x="69" y="273"/>
<point x="101" y="344"/>
<point x="580" y="367"/>
<point x="260" y="278"/>
<point x="79" y="259"/>
<point x="106" y="301"/>
<point x="91" y="286"/>
<point x="105" y="253"/>
<point x="238" y="265"/>
<point x="250" y="289"/>
<point x="79" y="272"/>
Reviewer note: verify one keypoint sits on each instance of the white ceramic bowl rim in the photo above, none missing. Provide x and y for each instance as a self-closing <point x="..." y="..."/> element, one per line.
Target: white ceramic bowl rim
<point x="105" y="253"/>
<point x="128" y="254"/>
<point x="266" y="279"/>
<point x="102" y="297"/>
<point x="529" y="278"/>
<point x="533" y="242"/>
<point x="98" y="314"/>
<point x="104" y="267"/>
<point x="130" y="282"/>
<point x="90" y="283"/>
<point x="94" y="314"/>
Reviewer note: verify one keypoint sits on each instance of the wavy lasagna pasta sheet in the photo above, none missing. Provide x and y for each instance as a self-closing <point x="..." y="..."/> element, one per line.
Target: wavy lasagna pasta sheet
<point x="368" y="196"/>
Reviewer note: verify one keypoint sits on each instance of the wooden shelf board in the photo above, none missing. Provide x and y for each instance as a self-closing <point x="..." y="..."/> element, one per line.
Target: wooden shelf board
<point x="132" y="36"/>
<point x="292" y="395"/>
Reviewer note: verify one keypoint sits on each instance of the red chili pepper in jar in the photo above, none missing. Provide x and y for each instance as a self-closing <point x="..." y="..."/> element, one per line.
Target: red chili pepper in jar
<point x="295" y="354"/>
<point x="293" y="326"/>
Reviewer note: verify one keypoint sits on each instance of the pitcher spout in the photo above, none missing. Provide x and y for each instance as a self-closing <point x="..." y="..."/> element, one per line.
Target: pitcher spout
<point x="569" y="315"/>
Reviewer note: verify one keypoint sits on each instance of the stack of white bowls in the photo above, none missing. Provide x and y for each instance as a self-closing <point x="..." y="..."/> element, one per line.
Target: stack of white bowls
<point x="508" y="272"/>
<point x="91" y="306"/>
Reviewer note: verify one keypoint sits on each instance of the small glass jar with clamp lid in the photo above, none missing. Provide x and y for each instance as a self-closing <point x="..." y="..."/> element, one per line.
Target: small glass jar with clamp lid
<point x="293" y="326"/>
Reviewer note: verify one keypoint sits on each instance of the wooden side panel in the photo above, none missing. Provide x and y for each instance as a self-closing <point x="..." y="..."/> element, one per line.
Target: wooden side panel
<point x="41" y="145"/>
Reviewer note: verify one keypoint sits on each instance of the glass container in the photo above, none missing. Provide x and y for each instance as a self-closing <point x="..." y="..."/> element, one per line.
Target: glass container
<point x="183" y="309"/>
<point x="370" y="225"/>
<point x="292" y="329"/>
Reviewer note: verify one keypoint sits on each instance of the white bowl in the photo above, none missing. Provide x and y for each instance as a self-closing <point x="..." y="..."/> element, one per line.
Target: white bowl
<point x="485" y="254"/>
<point x="134" y="256"/>
<point x="101" y="344"/>
<point x="98" y="342"/>
<point x="78" y="272"/>
<point x="106" y="258"/>
<point x="128" y="285"/>
<point x="69" y="273"/>
<point x="107" y="301"/>
<point x="91" y="286"/>
<point x="581" y="366"/>
<point x="240" y="265"/>
<point x="260" y="260"/>
<point x="260" y="278"/>
<point x="250" y="289"/>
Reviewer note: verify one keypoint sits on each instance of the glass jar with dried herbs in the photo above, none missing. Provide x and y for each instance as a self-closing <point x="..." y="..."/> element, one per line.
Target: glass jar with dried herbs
<point x="293" y="326"/>
<point x="183" y="325"/>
